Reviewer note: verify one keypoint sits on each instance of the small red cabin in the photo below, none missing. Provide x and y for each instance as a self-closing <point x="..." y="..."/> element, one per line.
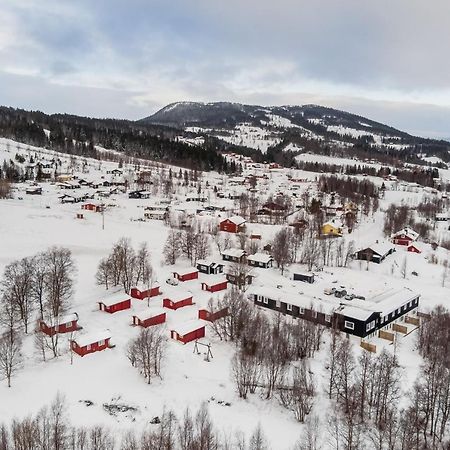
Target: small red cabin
<point x="92" y="207"/>
<point x="414" y="248"/>
<point x="66" y="324"/>
<point x="90" y="343"/>
<point x="204" y="314"/>
<point x="150" y="317"/>
<point x="404" y="237"/>
<point x="235" y="224"/>
<point x="215" y="284"/>
<point x="189" y="331"/>
<point x="142" y="292"/>
<point x="115" y="302"/>
<point x="186" y="274"/>
<point x="177" y="299"/>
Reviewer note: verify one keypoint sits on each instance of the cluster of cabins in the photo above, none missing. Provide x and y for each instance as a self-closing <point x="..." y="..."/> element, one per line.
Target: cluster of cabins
<point x="172" y="300"/>
<point x="378" y="252"/>
<point x="362" y="318"/>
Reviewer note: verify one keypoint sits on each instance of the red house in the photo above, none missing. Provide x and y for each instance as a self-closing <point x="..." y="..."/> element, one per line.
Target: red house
<point x="92" y="207"/>
<point x="177" y="299"/>
<point x="142" y="292"/>
<point x="215" y="283"/>
<point x="90" y="343"/>
<point x="66" y="324"/>
<point x="235" y="224"/>
<point x="115" y="302"/>
<point x="150" y="317"/>
<point x="404" y="237"/>
<point x="414" y="248"/>
<point x="186" y="274"/>
<point x="204" y="314"/>
<point x="188" y="331"/>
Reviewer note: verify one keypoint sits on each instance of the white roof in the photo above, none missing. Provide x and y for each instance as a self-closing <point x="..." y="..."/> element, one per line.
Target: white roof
<point x="237" y="220"/>
<point x="234" y="252"/>
<point x="214" y="279"/>
<point x="205" y="262"/>
<point x="260" y="257"/>
<point x="63" y="319"/>
<point x="150" y="312"/>
<point x="187" y="327"/>
<point x="114" y="298"/>
<point x="176" y="295"/>
<point x="327" y="306"/>
<point x="356" y="313"/>
<point x="391" y="300"/>
<point x="143" y="287"/>
<point x="408" y="232"/>
<point x="381" y="248"/>
<point x="92" y="338"/>
<point x="185" y="270"/>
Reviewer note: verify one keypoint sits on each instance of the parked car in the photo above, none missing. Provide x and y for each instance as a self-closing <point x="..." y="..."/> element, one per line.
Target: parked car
<point x="172" y="281"/>
<point x="340" y="293"/>
<point x="329" y="291"/>
<point x="349" y="297"/>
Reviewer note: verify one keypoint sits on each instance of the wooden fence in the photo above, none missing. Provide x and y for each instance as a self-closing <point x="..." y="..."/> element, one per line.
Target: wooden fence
<point x="386" y="335"/>
<point x="400" y="328"/>
<point x="369" y="347"/>
<point x="412" y="320"/>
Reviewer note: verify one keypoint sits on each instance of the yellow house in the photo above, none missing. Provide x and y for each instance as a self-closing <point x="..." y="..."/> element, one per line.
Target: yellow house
<point x="331" y="229"/>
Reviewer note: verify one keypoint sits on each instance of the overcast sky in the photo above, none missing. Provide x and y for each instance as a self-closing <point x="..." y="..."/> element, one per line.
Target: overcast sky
<point x="387" y="59"/>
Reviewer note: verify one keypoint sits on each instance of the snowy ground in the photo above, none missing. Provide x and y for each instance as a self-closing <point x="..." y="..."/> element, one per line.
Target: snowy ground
<point x="33" y="224"/>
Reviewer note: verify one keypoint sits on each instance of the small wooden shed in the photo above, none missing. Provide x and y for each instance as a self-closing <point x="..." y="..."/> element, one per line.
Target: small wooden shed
<point x="65" y="324"/>
<point x="215" y="283"/>
<point x="186" y="274"/>
<point x="150" y="317"/>
<point x="90" y="343"/>
<point x="142" y="292"/>
<point x="177" y="299"/>
<point x="188" y="332"/>
<point x="118" y="301"/>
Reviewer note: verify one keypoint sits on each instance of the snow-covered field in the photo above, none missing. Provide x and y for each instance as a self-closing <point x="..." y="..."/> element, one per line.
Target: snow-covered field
<point x="34" y="223"/>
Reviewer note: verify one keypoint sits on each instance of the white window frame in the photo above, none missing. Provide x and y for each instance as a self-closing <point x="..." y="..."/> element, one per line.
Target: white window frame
<point x="314" y="314"/>
<point x="327" y="318"/>
<point x="278" y="304"/>
<point x="100" y="343"/>
<point x="349" y="325"/>
<point x="265" y="300"/>
<point x="288" y="306"/>
<point x="301" y="310"/>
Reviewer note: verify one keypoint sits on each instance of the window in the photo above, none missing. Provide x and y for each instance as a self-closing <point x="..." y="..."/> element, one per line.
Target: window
<point x="349" y="325"/>
<point x="68" y="324"/>
<point x="301" y="310"/>
<point x="100" y="343"/>
<point x="278" y="304"/>
<point x="327" y="318"/>
<point x="88" y="347"/>
<point x="314" y="314"/>
<point x="289" y="307"/>
<point x="265" y="300"/>
<point x="370" y="325"/>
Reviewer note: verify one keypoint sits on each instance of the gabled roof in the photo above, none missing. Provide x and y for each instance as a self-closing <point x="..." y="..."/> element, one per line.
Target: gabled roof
<point x="260" y="257"/>
<point x="237" y="220"/>
<point x="115" y="298"/>
<point x="234" y="252"/>
<point x="408" y="232"/>
<point x="177" y="295"/>
<point x="92" y="338"/>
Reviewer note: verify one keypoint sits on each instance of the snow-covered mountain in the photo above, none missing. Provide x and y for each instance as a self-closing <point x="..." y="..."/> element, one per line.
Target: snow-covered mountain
<point x="261" y="127"/>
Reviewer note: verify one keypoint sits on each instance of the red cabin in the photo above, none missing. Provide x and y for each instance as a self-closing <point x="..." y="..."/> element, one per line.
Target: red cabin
<point x="235" y="224"/>
<point x="215" y="284"/>
<point x="204" y="314"/>
<point x="414" y="248"/>
<point x="66" y="324"/>
<point x="90" y="343"/>
<point x="142" y="292"/>
<point x="177" y="299"/>
<point x="404" y="237"/>
<point x="189" y="331"/>
<point x="92" y="207"/>
<point x="186" y="274"/>
<point x="115" y="302"/>
<point x="150" y="317"/>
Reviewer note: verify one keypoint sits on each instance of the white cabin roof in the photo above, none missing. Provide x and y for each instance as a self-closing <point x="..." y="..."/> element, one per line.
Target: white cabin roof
<point x="237" y="220"/>
<point x="149" y="313"/>
<point x="260" y="257"/>
<point x="187" y="327"/>
<point x="234" y="252"/>
<point x="114" y="298"/>
<point x="92" y="338"/>
<point x="177" y="295"/>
